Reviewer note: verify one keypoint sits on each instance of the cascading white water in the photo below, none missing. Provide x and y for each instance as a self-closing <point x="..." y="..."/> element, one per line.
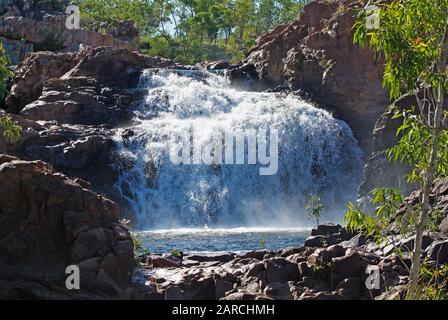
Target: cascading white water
<point x="317" y="154"/>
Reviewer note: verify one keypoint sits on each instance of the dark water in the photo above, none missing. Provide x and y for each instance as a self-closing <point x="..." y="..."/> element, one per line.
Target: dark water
<point x="235" y="240"/>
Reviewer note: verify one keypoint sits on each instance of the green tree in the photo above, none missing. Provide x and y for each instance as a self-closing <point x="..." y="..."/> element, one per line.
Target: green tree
<point x="5" y="73"/>
<point x="10" y="130"/>
<point x="314" y="207"/>
<point x="413" y="40"/>
<point x="189" y="31"/>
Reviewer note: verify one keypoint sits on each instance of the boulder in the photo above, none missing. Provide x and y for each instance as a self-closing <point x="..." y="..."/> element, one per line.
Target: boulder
<point x="202" y="289"/>
<point x="438" y="251"/>
<point x="355" y="242"/>
<point x="213" y="65"/>
<point x="259" y="254"/>
<point x="281" y="270"/>
<point x="161" y="262"/>
<point x="326" y="229"/>
<point x="100" y="67"/>
<point x="32" y="74"/>
<point x="255" y="269"/>
<point x="278" y="291"/>
<point x="311" y="296"/>
<point x="222" y="287"/>
<point x="221" y="257"/>
<point x="50" y="222"/>
<point x="316" y="241"/>
<point x="349" y="266"/>
<point x="291" y="251"/>
<point x="243" y="296"/>
<point x="320" y="257"/>
<point x="407" y="244"/>
<point x="305" y="269"/>
<point x="353" y="286"/>
<point x="323" y="241"/>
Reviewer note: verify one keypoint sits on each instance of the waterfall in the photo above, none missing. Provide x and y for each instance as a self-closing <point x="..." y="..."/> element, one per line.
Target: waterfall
<point x="317" y="154"/>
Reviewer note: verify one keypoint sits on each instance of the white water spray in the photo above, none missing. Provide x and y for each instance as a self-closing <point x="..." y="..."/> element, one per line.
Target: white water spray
<point x="317" y="154"/>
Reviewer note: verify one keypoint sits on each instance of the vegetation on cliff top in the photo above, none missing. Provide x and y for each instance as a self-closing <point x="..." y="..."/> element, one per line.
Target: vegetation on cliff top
<point x="190" y="31"/>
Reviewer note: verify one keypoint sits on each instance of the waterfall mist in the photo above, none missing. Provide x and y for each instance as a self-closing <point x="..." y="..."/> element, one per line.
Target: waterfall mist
<point x="317" y="154"/>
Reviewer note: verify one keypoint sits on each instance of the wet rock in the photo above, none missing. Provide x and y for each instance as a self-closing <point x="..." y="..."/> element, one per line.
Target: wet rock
<point x="326" y="229"/>
<point x="221" y="257"/>
<point x="213" y="65"/>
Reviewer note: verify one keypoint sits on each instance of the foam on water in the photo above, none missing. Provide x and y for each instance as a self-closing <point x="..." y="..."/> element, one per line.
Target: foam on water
<point x="317" y="154"/>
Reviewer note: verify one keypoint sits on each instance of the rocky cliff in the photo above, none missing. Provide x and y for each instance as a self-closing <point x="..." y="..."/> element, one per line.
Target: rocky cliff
<point x="50" y="222"/>
<point x="27" y="26"/>
<point x="315" y="53"/>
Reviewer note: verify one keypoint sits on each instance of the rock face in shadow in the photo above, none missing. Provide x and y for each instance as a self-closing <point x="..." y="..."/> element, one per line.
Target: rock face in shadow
<point x="315" y="53"/>
<point x="50" y="222"/>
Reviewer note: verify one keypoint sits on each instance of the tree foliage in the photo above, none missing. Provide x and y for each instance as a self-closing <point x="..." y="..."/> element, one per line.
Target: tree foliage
<point x="386" y="202"/>
<point x="8" y="128"/>
<point x="412" y="37"/>
<point x="190" y="31"/>
<point x="314" y="207"/>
